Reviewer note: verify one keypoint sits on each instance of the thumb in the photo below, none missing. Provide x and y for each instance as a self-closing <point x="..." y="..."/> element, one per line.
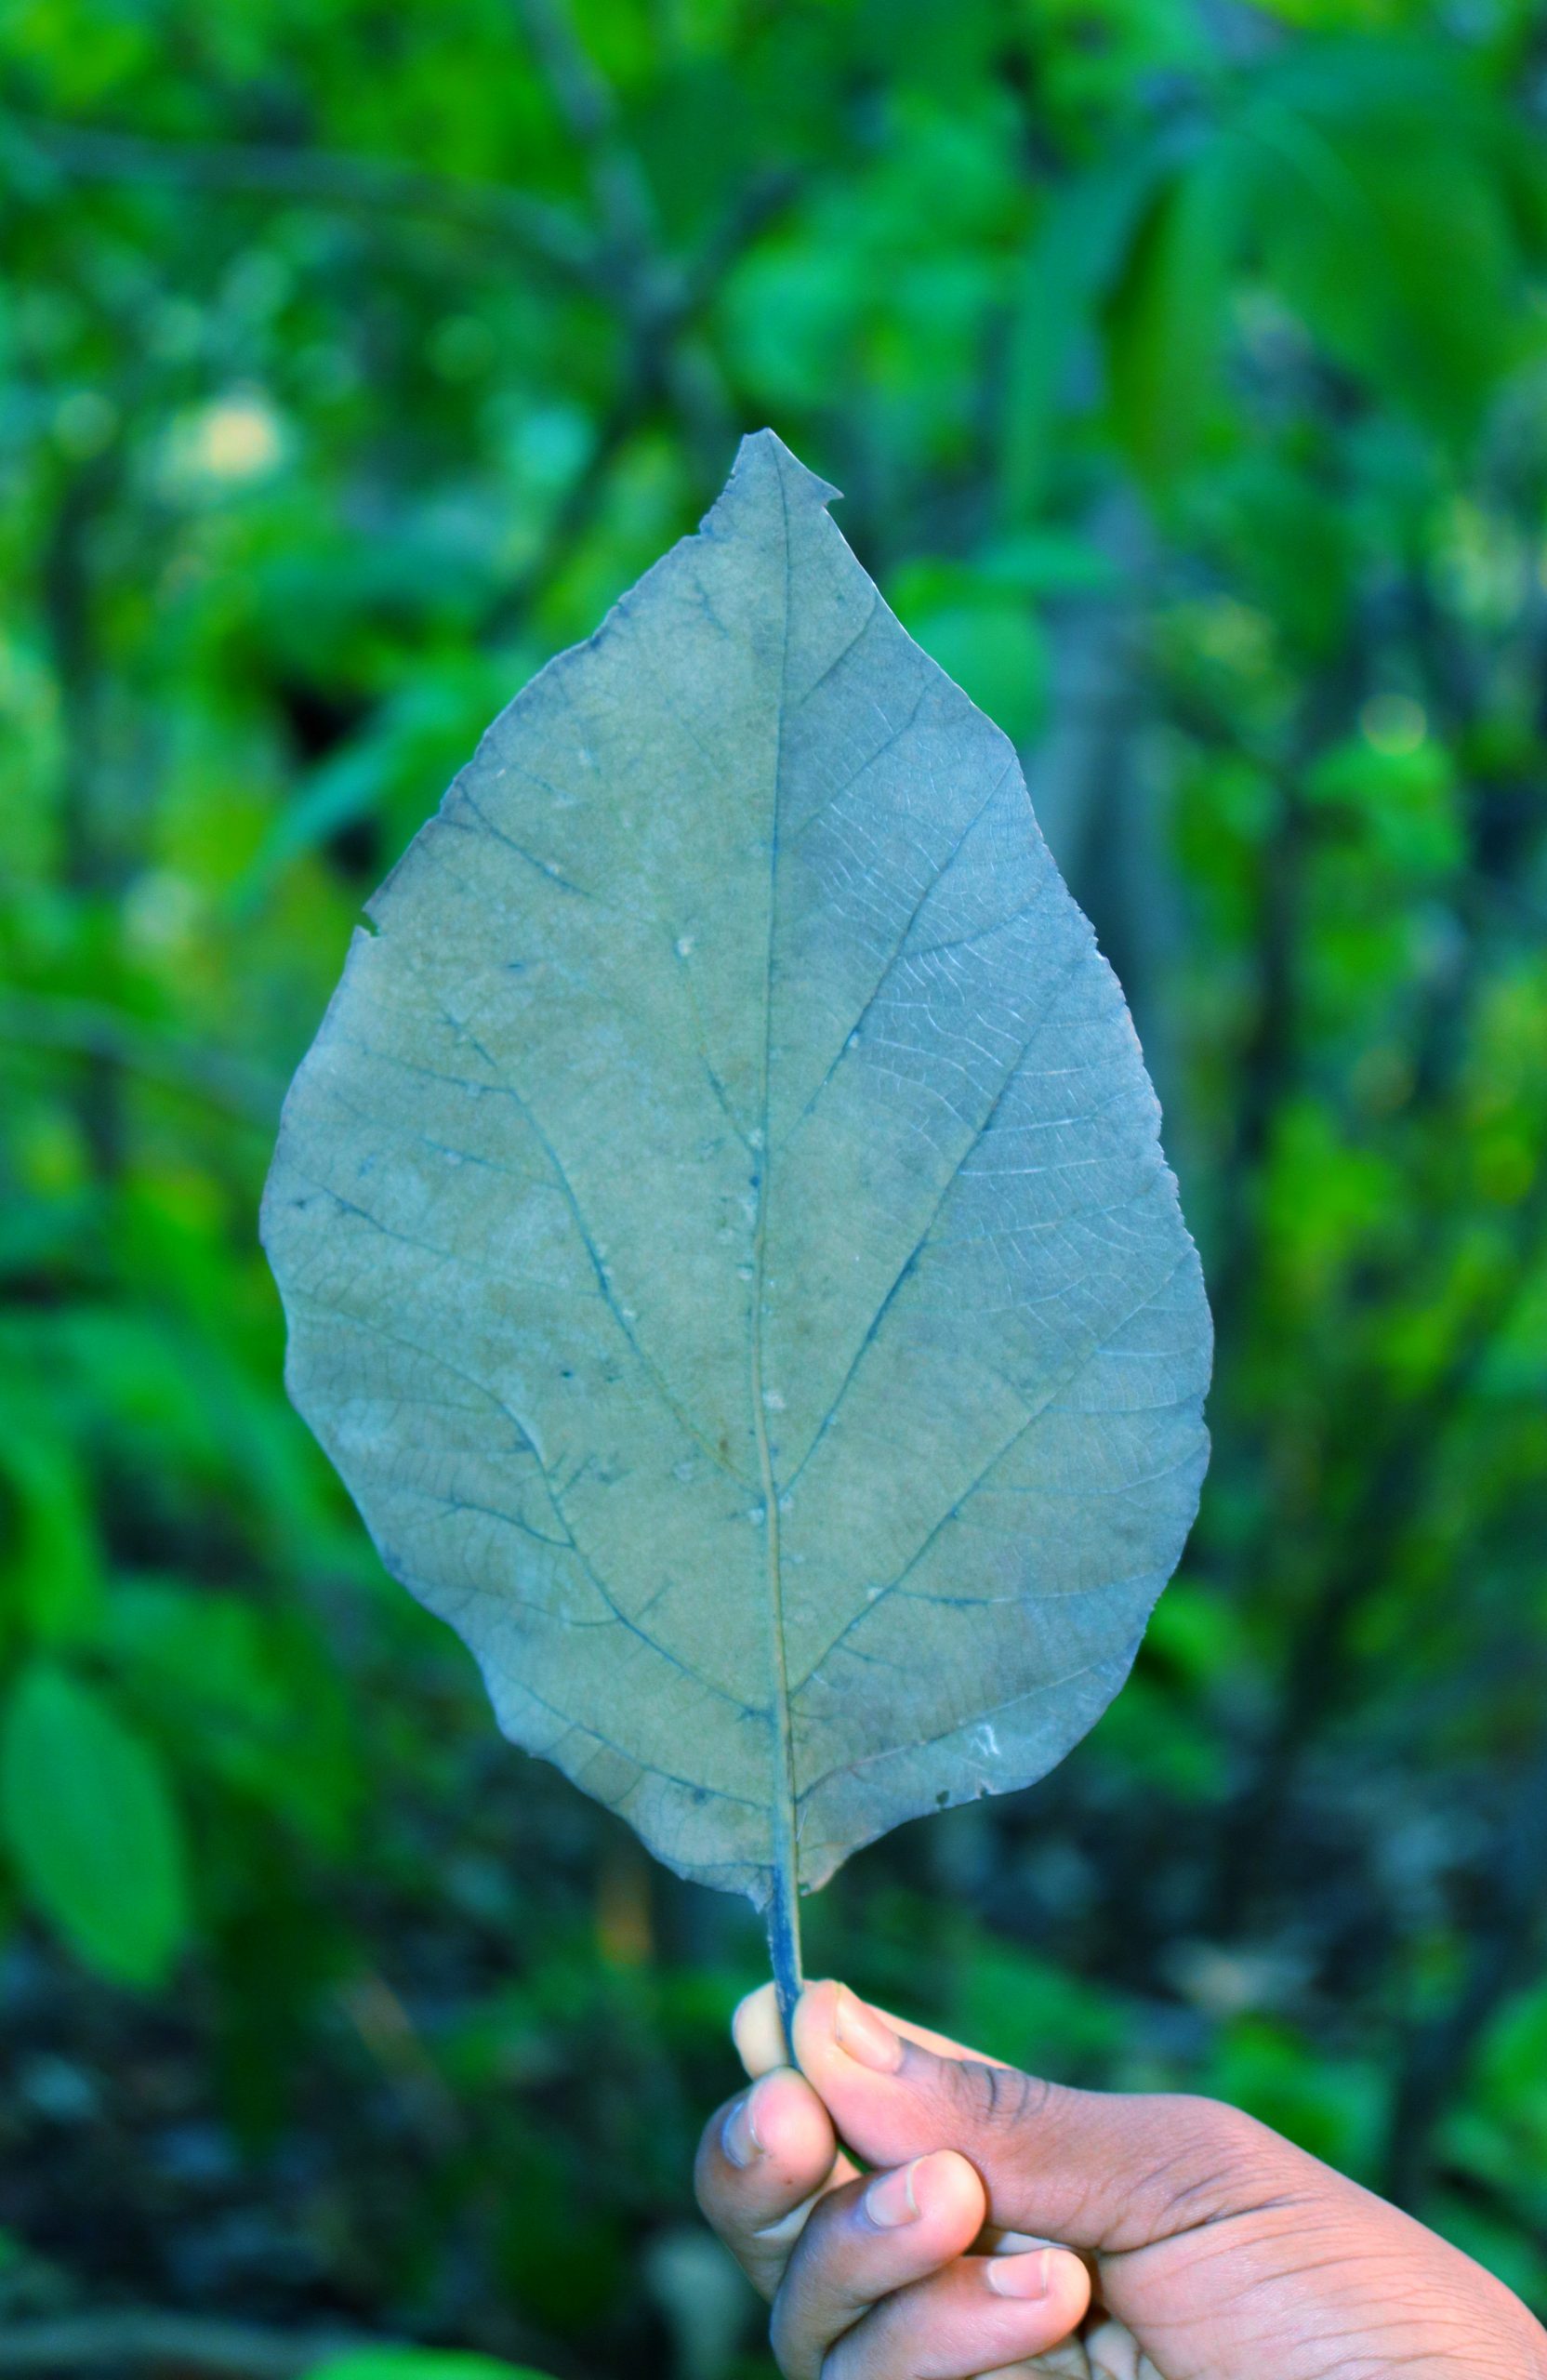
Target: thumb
<point x="1100" y="2171"/>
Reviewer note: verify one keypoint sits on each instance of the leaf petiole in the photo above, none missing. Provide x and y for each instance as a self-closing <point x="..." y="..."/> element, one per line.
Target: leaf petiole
<point x="784" y="1950"/>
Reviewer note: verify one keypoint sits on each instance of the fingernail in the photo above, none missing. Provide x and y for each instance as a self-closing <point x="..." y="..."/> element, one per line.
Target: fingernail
<point x="890" y="2202"/>
<point x="862" y="2035"/>
<point x="739" y="2136"/>
<point x="1021" y="2276"/>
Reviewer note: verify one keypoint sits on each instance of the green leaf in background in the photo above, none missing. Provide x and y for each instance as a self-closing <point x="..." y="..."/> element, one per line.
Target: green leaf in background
<point x="1070" y="267"/>
<point x="725" y="1236"/>
<point x="56" y="1588"/>
<point x="420" y="2363"/>
<point x="90" y="1822"/>
<point x="983" y="634"/>
<point x="1165" y="321"/>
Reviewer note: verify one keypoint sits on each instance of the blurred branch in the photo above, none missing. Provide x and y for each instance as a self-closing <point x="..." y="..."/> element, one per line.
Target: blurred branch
<point x="1501" y="811"/>
<point x="1502" y="1956"/>
<point x="654" y="299"/>
<point x="1389" y="1511"/>
<point x="90" y="860"/>
<point x="1269" y="1057"/>
<point x="90" y="1029"/>
<point x="331" y="178"/>
<point x="1080" y="774"/>
<point x="132" y="2337"/>
<point x="658" y="299"/>
<point x="69" y="618"/>
<point x="762" y="202"/>
<point x="1390" y="1507"/>
<point x="572" y="517"/>
<point x="323" y="176"/>
<point x="622" y="196"/>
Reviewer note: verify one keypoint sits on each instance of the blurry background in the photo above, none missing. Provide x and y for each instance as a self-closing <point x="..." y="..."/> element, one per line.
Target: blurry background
<point x="1185" y="369"/>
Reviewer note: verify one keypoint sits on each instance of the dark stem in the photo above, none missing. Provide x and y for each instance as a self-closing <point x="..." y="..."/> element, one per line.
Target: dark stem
<point x="784" y="1950"/>
<point x="90" y="153"/>
<point x="1438" y="2054"/>
<point x="1317" y="1679"/>
<point x="92" y="852"/>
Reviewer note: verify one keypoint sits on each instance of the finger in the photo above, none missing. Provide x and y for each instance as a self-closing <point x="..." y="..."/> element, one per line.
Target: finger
<point x="762" y="2159"/>
<point x="875" y="2236"/>
<point x="978" y="2315"/>
<point x="758" y="2030"/>
<point x="1099" y="2171"/>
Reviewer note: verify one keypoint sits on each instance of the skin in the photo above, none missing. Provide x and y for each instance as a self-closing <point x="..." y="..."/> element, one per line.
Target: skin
<point x="1197" y="2244"/>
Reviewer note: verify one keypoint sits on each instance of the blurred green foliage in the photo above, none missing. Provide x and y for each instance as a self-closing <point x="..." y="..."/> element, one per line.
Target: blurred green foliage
<point x="1186" y="372"/>
<point x="415" y="2364"/>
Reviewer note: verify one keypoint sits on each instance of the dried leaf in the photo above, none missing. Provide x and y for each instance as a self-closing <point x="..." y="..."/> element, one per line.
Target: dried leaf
<point x="726" y="1245"/>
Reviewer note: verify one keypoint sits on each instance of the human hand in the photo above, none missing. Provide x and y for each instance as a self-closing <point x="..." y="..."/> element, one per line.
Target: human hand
<point x="1208" y="2247"/>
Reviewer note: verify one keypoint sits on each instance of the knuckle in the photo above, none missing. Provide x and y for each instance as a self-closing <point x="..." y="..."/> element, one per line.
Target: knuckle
<point x="994" y="2098"/>
<point x="784" y="2338"/>
<point x="813" y="2296"/>
<point x="816" y="2256"/>
<point x="849" y="2357"/>
<point x="1217" y="2161"/>
<point x="1230" y="2138"/>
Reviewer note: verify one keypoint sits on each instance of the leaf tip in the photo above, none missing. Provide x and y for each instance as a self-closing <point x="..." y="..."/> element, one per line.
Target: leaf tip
<point x="763" y="453"/>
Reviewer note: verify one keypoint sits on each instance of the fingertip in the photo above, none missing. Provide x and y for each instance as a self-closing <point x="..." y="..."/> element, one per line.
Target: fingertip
<point x="837" y="2034"/>
<point x="757" y="2031"/>
<point x="973" y="2313"/>
<point x="761" y="2160"/>
<point x="819" y="1993"/>
<point x="791" y="2125"/>
<point x="814" y="2026"/>
<point x="1069" y="2286"/>
<point x="1055" y="2279"/>
<point x="949" y="2189"/>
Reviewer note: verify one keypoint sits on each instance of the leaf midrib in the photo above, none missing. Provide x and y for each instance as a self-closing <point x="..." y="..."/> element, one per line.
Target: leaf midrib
<point x="784" y="1877"/>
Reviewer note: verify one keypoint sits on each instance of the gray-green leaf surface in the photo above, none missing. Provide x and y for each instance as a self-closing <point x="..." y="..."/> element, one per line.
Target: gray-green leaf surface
<point x="723" y="1231"/>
